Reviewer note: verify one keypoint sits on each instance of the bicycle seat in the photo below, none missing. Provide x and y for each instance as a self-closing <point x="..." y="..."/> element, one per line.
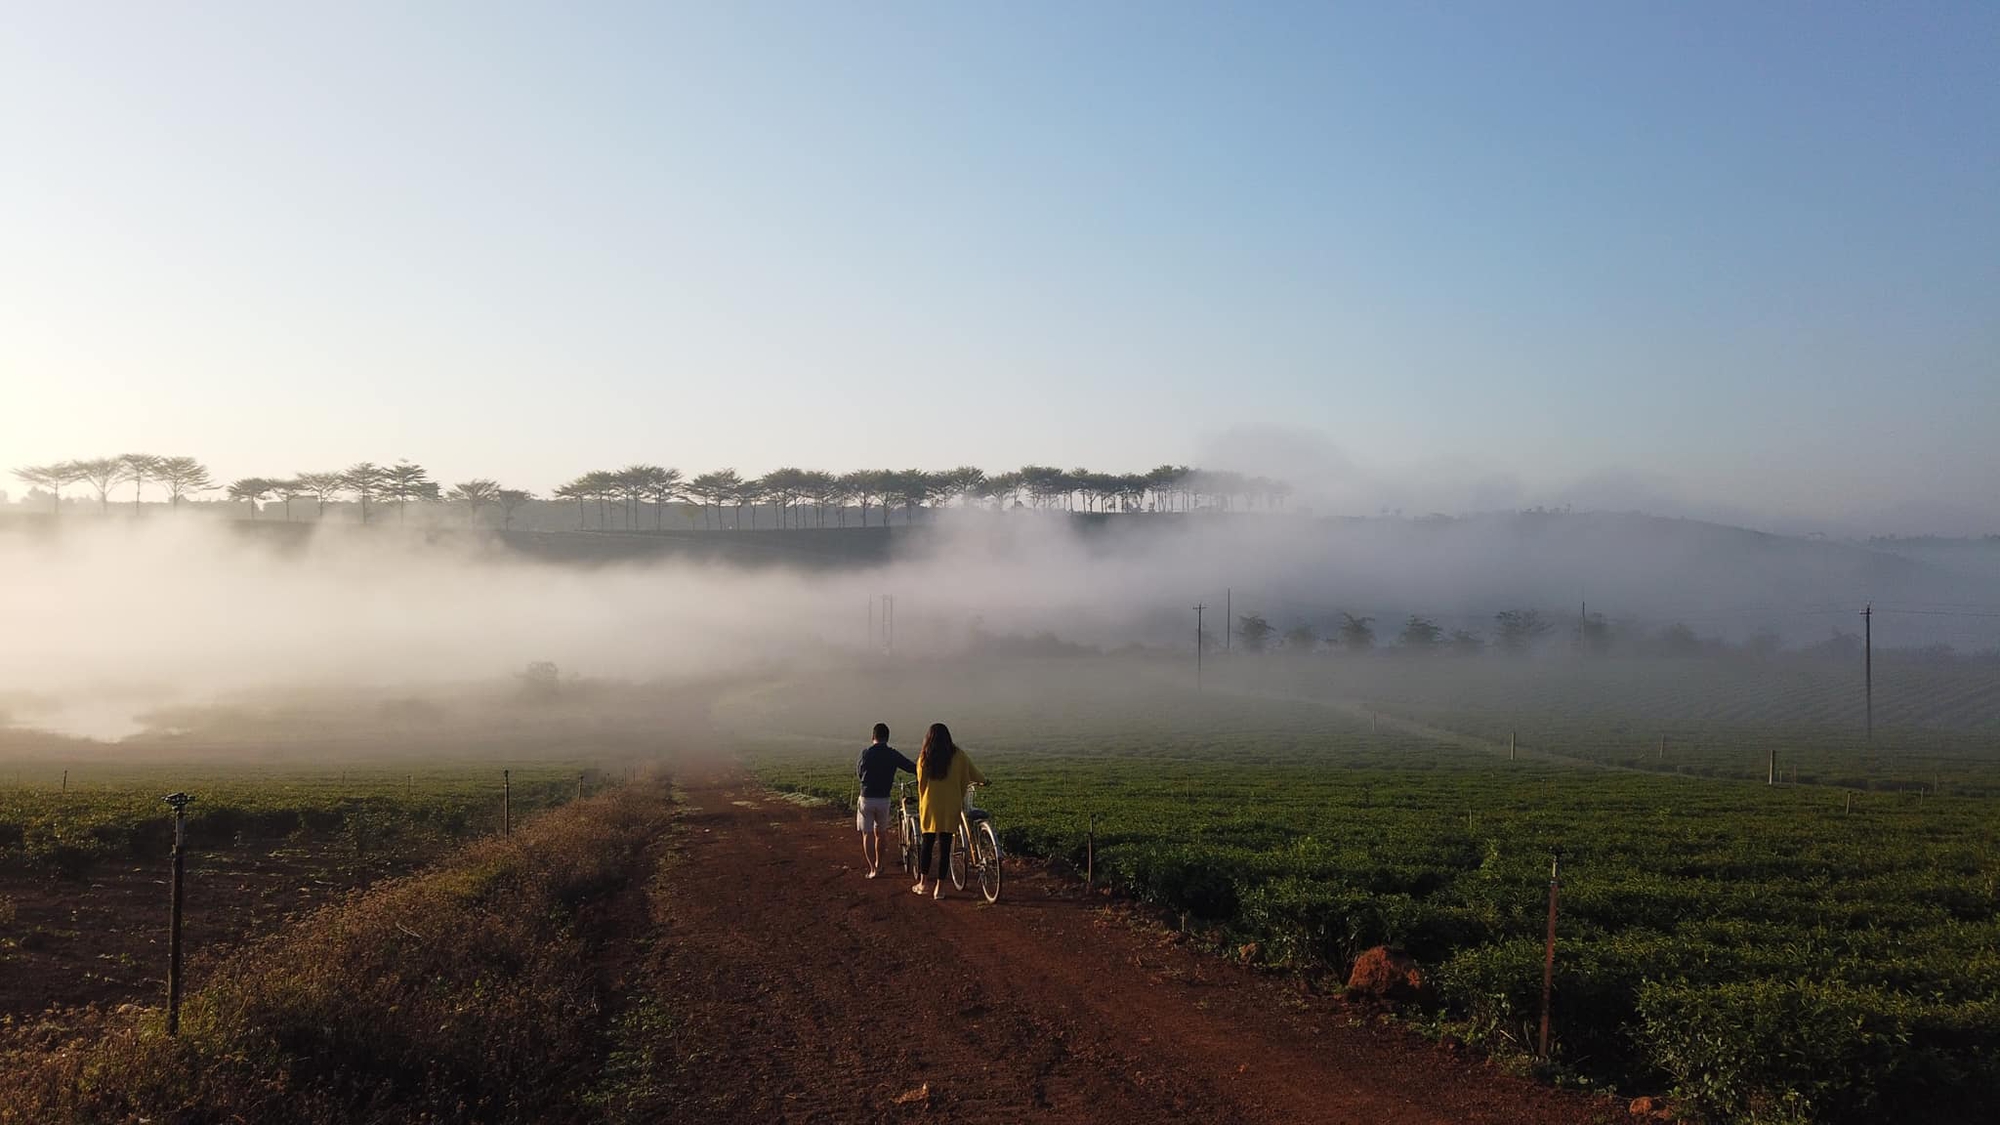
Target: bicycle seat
<point x="976" y="814"/>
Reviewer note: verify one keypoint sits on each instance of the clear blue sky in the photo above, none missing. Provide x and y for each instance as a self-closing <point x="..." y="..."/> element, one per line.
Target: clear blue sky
<point x="1742" y="255"/>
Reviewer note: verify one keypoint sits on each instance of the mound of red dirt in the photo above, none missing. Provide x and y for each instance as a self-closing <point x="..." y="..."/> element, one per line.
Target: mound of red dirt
<point x="1385" y="975"/>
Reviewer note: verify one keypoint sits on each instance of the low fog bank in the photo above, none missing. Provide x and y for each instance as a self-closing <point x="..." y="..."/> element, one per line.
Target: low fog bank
<point x="109" y="620"/>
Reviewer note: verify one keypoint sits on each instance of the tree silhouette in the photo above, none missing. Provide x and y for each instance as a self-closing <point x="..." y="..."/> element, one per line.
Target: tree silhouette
<point x="52" y="477"/>
<point x="784" y="487"/>
<point x="404" y="482"/>
<point x="251" y="489"/>
<point x="1005" y="489"/>
<point x="573" y="490"/>
<point x="1254" y="631"/>
<point x="1301" y="638"/>
<point x="288" y="491"/>
<point x="366" y="480"/>
<point x="915" y="488"/>
<point x="747" y="492"/>
<point x="840" y="493"/>
<point x="870" y="486"/>
<point x="136" y="467"/>
<point x="1465" y="642"/>
<point x="1421" y="633"/>
<point x="474" y="494"/>
<point x="510" y="500"/>
<point x="661" y="486"/>
<point x="1357" y="633"/>
<point x="321" y="487"/>
<point x="602" y="486"/>
<point x="1042" y="483"/>
<point x="182" y="476"/>
<point x="1517" y="629"/>
<point x="713" y="490"/>
<point x="964" y="482"/>
<point x="99" y="473"/>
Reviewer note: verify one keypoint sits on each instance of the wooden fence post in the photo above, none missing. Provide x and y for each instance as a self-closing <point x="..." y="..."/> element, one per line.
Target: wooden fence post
<point x="1090" y="853"/>
<point x="179" y="801"/>
<point x="1549" y="958"/>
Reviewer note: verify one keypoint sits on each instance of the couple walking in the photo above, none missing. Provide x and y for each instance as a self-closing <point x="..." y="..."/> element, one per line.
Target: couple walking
<point x="943" y="771"/>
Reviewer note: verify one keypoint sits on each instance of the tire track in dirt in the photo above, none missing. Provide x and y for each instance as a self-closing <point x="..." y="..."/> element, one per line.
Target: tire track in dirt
<point x="797" y="990"/>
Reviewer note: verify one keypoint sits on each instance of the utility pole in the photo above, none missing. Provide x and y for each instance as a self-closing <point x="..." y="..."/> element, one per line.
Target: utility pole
<point x="1197" y="646"/>
<point x="180" y="802"/>
<point x="1228" y="616"/>
<point x="1868" y="665"/>
<point x="889" y="621"/>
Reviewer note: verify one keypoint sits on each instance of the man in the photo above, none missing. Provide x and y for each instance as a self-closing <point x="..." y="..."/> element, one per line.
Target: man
<point x="877" y="770"/>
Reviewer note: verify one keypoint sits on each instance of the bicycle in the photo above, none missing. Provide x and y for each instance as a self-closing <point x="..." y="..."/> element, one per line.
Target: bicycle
<point x="907" y="829"/>
<point x="983" y="845"/>
<point x="976" y="851"/>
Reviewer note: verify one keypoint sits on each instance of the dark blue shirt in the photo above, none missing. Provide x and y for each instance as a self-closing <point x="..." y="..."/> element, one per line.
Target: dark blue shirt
<point x="878" y="767"/>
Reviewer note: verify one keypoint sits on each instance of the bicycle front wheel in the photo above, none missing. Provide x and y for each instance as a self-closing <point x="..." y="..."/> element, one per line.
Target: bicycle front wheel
<point x="986" y="847"/>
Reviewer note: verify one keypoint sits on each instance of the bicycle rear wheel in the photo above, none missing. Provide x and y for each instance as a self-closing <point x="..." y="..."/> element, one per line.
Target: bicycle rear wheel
<point x="961" y="846"/>
<point x="910" y="845"/>
<point x="986" y="846"/>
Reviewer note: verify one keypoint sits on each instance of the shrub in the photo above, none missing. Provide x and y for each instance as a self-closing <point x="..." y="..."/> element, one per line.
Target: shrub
<point x="1774" y="1052"/>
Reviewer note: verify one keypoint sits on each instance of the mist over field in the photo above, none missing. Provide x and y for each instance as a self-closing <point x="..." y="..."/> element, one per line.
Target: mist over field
<point x="113" y="619"/>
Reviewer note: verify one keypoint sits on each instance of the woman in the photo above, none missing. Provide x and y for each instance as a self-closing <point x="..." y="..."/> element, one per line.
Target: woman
<point x="943" y="772"/>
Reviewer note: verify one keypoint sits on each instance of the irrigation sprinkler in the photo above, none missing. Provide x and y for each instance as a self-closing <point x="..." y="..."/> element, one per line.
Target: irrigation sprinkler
<point x="506" y="802"/>
<point x="1549" y="958"/>
<point x="180" y="802"/>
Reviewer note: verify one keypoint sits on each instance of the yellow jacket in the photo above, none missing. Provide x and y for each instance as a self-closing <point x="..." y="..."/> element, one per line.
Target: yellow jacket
<point x="940" y="800"/>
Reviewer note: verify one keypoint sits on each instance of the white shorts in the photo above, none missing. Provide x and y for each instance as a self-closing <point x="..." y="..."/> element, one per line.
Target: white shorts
<point x="871" y="813"/>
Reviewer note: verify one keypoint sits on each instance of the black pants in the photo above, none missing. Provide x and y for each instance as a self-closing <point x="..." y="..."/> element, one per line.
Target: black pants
<point x="924" y="854"/>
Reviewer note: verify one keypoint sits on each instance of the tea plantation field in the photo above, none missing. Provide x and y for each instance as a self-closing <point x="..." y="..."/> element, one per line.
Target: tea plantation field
<point x="1768" y="953"/>
<point x="63" y="825"/>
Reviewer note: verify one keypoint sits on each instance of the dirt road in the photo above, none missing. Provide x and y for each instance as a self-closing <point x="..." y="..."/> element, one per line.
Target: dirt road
<point x="797" y="990"/>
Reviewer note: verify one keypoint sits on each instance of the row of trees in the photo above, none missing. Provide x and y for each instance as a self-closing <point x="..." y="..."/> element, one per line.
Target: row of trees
<point x="1519" y="630"/>
<point x="181" y="478"/>
<point x="801" y="496"/>
<point x="1515" y="630"/>
<point x="794" y="491"/>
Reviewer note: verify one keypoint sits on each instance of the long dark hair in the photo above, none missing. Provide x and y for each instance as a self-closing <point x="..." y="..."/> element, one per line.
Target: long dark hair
<point x="935" y="758"/>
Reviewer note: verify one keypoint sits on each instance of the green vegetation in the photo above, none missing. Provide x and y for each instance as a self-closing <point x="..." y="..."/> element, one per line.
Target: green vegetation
<point x="1764" y="952"/>
<point x="117" y="811"/>
<point x="465" y="993"/>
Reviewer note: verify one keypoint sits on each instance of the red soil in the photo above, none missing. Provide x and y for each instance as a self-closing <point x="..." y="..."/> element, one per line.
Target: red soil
<point x="797" y="990"/>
